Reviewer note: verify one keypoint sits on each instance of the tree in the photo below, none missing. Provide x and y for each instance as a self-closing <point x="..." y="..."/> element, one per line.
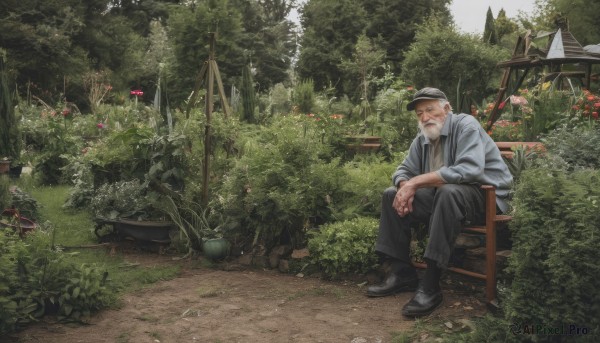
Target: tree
<point x="443" y="58"/>
<point x="331" y="29"/>
<point x="270" y="39"/>
<point x="248" y="96"/>
<point x="10" y="137"/>
<point x="366" y="59"/>
<point x="394" y="23"/>
<point x="188" y="30"/>
<point x="489" y="33"/>
<point x="504" y="25"/>
<point x="584" y="21"/>
<point x="38" y="38"/>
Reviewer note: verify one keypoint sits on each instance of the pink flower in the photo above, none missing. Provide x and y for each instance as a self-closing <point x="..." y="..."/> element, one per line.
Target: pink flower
<point x="518" y="100"/>
<point x="100" y="126"/>
<point x="137" y="92"/>
<point x="66" y="112"/>
<point x="502" y="104"/>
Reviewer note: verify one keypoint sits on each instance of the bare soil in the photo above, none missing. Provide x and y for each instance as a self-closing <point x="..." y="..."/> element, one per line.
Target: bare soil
<point x="206" y="304"/>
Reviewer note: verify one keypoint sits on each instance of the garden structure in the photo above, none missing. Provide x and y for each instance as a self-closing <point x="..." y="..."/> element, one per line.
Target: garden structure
<point x="562" y="49"/>
<point x="209" y="73"/>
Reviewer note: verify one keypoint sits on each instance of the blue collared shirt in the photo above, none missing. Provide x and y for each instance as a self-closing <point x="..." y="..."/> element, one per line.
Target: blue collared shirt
<point x="470" y="157"/>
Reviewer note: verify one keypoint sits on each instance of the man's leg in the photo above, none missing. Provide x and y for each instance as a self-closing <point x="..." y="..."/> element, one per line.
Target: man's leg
<point x="453" y="206"/>
<point x="394" y="239"/>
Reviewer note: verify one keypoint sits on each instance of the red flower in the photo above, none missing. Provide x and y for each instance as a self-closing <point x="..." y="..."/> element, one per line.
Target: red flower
<point x="597" y="105"/>
<point x="590" y="98"/>
<point x="65" y="112"/>
<point x="502" y="104"/>
<point x="137" y="92"/>
<point x="595" y="115"/>
<point x="575" y="107"/>
<point x="100" y="125"/>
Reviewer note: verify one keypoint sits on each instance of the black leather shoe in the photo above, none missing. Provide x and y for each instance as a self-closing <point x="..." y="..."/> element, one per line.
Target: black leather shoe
<point x="422" y="303"/>
<point x="393" y="284"/>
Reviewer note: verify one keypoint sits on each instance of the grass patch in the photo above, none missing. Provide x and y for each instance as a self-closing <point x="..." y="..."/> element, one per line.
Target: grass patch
<point x="76" y="228"/>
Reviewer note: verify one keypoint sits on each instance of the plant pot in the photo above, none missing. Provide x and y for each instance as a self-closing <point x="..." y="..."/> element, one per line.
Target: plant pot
<point x="154" y="231"/>
<point x="216" y="249"/>
<point x="15" y="172"/>
<point x="4" y="166"/>
<point x="8" y="221"/>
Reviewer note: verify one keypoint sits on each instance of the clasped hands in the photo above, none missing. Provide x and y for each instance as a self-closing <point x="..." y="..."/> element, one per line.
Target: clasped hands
<point x="404" y="198"/>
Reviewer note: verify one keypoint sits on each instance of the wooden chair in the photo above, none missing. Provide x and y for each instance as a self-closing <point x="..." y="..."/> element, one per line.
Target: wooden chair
<point x="489" y="229"/>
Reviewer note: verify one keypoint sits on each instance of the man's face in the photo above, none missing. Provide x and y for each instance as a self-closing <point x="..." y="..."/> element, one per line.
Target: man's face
<point x="431" y="115"/>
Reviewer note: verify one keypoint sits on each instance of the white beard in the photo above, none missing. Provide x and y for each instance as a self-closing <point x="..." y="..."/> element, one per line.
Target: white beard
<point x="431" y="131"/>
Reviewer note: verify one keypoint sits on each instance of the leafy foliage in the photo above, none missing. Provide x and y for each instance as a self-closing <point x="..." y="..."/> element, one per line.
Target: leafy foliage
<point x="10" y="135"/>
<point x="281" y="184"/>
<point x="344" y="247"/>
<point x="441" y="57"/>
<point x="555" y="255"/>
<point x="36" y="279"/>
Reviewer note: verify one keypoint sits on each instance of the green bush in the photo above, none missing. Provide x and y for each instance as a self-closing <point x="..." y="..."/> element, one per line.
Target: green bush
<point x="304" y="96"/>
<point x="283" y="183"/>
<point x="36" y="279"/>
<point x="344" y="247"/>
<point x="578" y="146"/>
<point x="554" y="265"/>
<point x="365" y="180"/>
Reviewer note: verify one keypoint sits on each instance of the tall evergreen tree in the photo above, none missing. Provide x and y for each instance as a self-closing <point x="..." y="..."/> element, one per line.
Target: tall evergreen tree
<point x="270" y="38"/>
<point x="331" y="29"/>
<point x="188" y="30"/>
<point x="10" y="137"/>
<point x="504" y="26"/>
<point x="248" y="95"/>
<point x="395" y="23"/>
<point x="489" y="33"/>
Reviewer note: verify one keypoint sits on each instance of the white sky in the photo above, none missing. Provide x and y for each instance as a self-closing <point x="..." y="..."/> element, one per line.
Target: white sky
<point x="469" y="15"/>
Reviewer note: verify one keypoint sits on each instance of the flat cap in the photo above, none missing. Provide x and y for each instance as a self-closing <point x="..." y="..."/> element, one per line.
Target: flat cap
<point x="427" y="93"/>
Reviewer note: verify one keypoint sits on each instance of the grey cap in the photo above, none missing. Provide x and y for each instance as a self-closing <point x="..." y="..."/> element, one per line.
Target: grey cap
<point x="427" y="93"/>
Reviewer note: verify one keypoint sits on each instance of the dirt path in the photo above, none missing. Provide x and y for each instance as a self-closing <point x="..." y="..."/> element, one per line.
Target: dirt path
<point x="212" y="305"/>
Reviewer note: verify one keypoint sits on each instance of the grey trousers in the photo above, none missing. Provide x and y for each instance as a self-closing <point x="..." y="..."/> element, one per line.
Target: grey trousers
<point x="445" y="210"/>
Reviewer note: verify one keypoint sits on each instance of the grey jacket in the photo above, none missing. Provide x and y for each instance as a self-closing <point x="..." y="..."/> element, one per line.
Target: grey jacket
<point x="470" y="157"/>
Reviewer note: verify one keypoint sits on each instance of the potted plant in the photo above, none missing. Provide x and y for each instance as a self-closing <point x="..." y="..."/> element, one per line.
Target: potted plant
<point x="10" y="137"/>
<point x="196" y="228"/>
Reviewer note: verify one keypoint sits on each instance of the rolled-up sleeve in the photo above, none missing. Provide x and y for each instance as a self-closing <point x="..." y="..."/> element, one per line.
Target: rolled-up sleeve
<point x="469" y="160"/>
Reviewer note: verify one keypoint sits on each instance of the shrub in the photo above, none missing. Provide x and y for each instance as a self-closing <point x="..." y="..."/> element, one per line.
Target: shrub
<point x="578" y="146"/>
<point x="555" y="252"/>
<point x="304" y="96"/>
<point x="366" y="178"/>
<point x="36" y="279"/>
<point x="283" y="183"/>
<point x="120" y="199"/>
<point x="344" y="247"/>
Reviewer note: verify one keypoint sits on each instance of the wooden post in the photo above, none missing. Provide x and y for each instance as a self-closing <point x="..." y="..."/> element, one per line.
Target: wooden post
<point x="209" y="73"/>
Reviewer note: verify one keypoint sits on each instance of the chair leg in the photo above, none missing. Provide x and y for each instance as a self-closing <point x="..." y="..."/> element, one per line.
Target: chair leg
<point x="490" y="281"/>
